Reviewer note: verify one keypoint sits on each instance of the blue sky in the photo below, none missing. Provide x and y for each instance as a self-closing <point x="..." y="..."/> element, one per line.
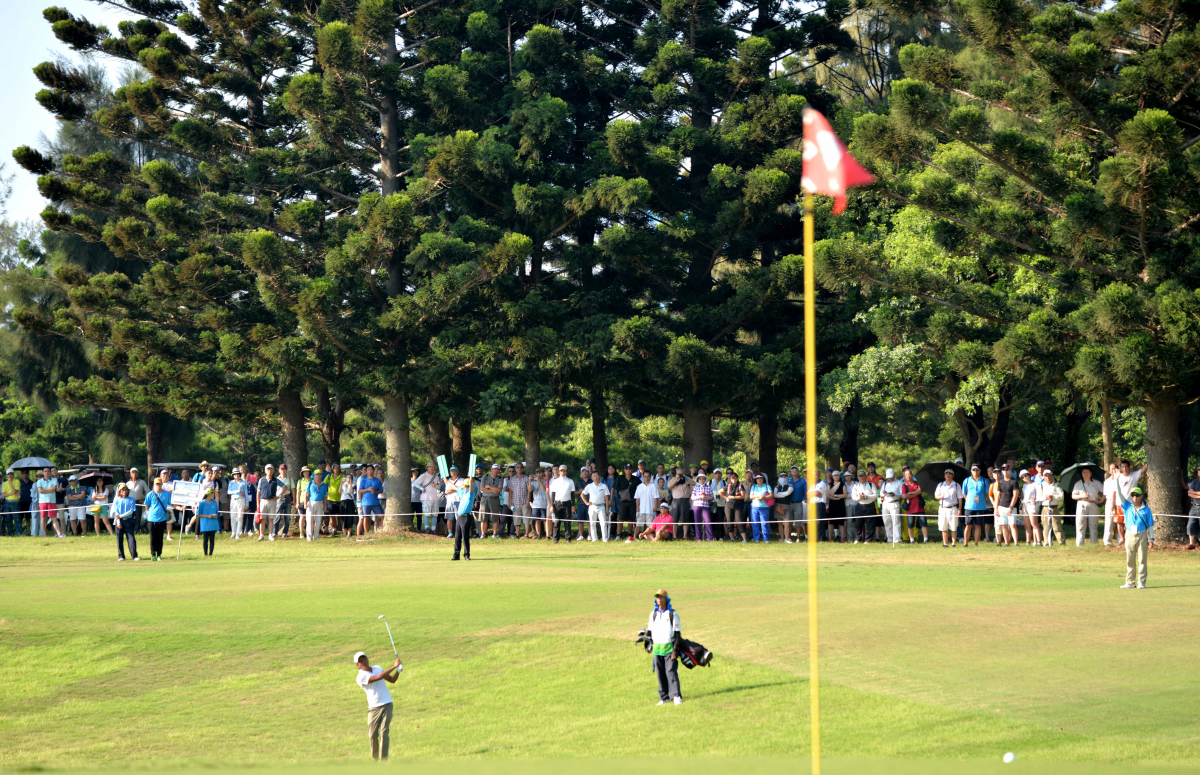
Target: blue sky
<point x="26" y="40"/>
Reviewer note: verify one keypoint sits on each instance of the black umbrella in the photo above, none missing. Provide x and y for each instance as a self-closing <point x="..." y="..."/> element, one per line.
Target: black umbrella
<point x="93" y="478"/>
<point x="1069" y="476"/>
<point x="30" y="463"/>
<point x="933" y="474"/>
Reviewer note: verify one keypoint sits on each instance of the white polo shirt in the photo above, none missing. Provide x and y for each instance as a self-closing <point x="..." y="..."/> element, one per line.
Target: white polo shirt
<point x="647" y="498"/>
<point x="377" y="691"/>
<point x="561" y="488"/>
<point x="596" y="493"/>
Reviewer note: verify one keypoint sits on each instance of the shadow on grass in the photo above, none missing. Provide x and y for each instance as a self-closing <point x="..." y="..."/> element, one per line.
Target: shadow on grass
<point x="747" y="688"/>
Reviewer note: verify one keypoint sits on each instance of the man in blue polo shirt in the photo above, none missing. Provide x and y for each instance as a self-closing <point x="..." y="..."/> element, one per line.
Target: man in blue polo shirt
<point x="798" y="501"/>
<point x="975" y="504"/>
<point x="370" y="488"/>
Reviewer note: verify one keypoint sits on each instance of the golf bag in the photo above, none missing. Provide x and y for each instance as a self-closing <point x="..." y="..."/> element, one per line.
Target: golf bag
<point x="690" y="652"/>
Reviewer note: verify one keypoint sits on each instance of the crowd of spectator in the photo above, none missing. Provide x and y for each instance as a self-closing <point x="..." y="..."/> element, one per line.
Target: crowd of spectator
<point x="1002" y="504"/>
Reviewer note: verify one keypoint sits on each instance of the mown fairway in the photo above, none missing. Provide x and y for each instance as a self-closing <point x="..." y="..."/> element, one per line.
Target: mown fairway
<point x="526" y="652"/>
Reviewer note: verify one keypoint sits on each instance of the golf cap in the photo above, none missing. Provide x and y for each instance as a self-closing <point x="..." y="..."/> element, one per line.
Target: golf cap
<point x="948" y="471"/>
<point x="282" y="466"/>
<point x="453" y="468"/>
<point x="72" y="478"/>
<point x="795" y="468"/>
<point x="1024" y="472"/>
<point x="701" y="475"/>
<point x="641" y="462"/>
<point x="761" y="475"/>
<point x="133" y="469"/>
<point x="1004" y="467"/>
<point x="359" y="655"/>
<point x="703" y="462"/>
<point x="958" y="460"/>
<point x="889" y="474"/>
<point x="320" y="462"/>
<point x="663" y="507"/>
<point x="661" y="593"/>
<point x="718" y="471"/>
<point x="975" y="467"/>
<point x="584" y="468"/>
<point x="1047" y="471"/>
<point x="1136" y="491"/>
<point x="268" y="467"/>
<point x="495" y="465"/>
<point x="629" y="465"/>
<point x="236" y="472"/>
<point x="862" y="473"/>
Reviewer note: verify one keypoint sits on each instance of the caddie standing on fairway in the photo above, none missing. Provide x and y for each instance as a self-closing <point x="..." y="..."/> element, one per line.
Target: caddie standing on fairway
<point x="664" y="634"/>
<point x="379" y="701"/>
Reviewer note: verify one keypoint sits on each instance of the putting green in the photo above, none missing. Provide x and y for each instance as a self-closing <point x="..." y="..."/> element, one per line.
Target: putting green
<point x="941" y="659"/>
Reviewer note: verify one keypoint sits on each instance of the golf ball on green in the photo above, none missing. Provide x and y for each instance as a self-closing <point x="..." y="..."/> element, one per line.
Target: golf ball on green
<point x="1010" y="757"/>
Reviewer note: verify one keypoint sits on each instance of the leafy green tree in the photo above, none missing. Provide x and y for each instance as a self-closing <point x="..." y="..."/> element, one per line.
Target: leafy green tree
<point x="1062" y="141"/>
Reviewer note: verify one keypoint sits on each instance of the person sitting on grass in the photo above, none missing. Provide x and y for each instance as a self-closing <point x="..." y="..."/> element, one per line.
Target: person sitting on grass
<point x="663" y="526"/>
<point x="208" y="512"/>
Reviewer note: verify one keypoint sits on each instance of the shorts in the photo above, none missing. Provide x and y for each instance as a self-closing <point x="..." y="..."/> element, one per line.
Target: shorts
<point x="523" y="513"/>
<point x="974" y="517"/>
<point x="489" y="509"/>
<point x="947" y="519"/>
<point x="644" y="520"/>
<point x="375" y="510"/>
<point x="1005" y="517"/>
<point x="798" y="511"/>
<point x="78" y="513"/>
<point x="918" y="518"/>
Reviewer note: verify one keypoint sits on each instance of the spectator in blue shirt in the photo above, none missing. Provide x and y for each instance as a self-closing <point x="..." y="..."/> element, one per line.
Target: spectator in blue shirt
<point x="1138" y="522"/>
<point x="975" y="504"/>
<point x="239" y="502"/>
<point x="798" y="501"/>
<point x="210" y="520"/>
<point x="123" y="509"/>
<point x="369" y="489"/>
<point x="318" y="493"/>
<point x="157" y="513"/>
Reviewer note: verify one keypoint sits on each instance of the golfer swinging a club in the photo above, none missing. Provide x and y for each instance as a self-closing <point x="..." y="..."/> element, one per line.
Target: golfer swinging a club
<point x="379" y="701"/>
<point x="664" y="635"/>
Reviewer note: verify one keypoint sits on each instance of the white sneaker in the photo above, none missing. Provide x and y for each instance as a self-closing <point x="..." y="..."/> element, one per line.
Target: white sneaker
<point x="1126" y="586"/>
<point x="260" y="538"/>
<point x="1141" y="586"/>
<point x="678" y="700"/>
<point x="135" y="559"/>
<point x="272" y="538"/>
<point x="855" y="540"/>
<point x="629" y="540"/>
<point x="660" y="702"/>
<point x="787" y="540"/>
<point x="120" y="559"/>
<point x="170" y="539"/>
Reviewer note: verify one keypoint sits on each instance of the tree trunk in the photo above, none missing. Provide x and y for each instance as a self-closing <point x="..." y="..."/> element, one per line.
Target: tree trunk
<point x="533" y="440"/>
<point x="697" y="436"/>
<point x="1106" y="434"/>
<point x="768" y="443"/>
<point x="599" y="432"/>
<point x="154" y="443"/>
<point x="399" y="463"/>
<point x="1075" y="420"/>
<point x="439" y="438"/>
<point x="848" y="448"/>
<point x="295" y="442"/>
<point x="332" y="415"/>
<point x="1162" y="455"/>
<point x="999" y="434"/>
<point x="462" y="447"/>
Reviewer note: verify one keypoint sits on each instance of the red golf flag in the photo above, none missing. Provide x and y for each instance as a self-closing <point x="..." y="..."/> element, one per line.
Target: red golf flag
<point x="829" y="168"/>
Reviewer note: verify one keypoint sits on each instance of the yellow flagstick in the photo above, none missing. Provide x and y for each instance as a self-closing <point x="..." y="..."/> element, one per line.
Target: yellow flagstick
<point x="810" y="430"/>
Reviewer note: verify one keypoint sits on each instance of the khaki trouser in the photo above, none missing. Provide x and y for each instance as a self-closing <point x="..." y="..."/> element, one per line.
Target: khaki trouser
<point x="316" y="513"/>
<point x="379" y="722"/>
<point x="1137" y="547"/>
<point x="1052" y="523"/>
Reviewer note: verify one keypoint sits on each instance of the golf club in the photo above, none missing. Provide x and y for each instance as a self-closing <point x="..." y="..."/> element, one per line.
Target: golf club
<point x="389" y="629"/>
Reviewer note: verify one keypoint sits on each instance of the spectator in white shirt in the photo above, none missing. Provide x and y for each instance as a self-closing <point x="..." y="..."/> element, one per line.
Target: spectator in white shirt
<point x="599" y="500"/>
<point x="428" y="484"/>
<point x="562" y="497"/>
<point x="863" y="492"/>
<point x="1088" y="495"/>
<point x="1029" y="507"/>
<point x="949" y="496"/>
<point x="646" y="496"/>
<point x="1109" y="493"/>
<point x="892" y="496"/>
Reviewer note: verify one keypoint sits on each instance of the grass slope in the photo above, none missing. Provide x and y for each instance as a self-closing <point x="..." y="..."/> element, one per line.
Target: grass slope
<point x="927" y="654"/>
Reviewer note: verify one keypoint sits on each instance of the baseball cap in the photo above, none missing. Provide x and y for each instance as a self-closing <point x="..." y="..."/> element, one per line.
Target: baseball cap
<point x="663" y="507"/>
<point x="133" y="469"/>
<point x="661" y="593"/>
<point x="975" y="467"/>
<point x="948" y="471"/>
<point x="1024" y="472"/>
<point x="359" y="655"/>
<point x="453" y="468"/>
<point x="268" y="465"/>
<point x="641" y="462"/>
<point x="703" y="462"/>
<point x="72" y="478"/>
<point x="629" y="465"/>
<point x="1136" y="491"/>
<point x="889" y="474"/>
<point x="495" y="465"/>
